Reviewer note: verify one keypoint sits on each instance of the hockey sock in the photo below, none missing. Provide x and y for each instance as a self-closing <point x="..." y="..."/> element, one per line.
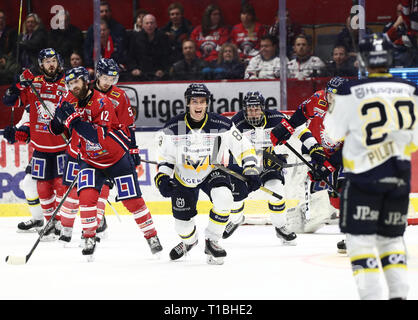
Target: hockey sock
<point x="88" y="211"/>
<point x="46" y="197"/>
<point x="278" y="213"/>
<point x="237" y="212"/>
<point x="218" y="216"/>
<point x="69" y="209"/>
<point x="32" y="198"/>
<point x="101" y="203"/>
<point x="186" y="230"/>
<point x="366" y="272"/>
<point x="59" y="189"/>
<point x="141" y="215"/>
<point x="393" y="258"/>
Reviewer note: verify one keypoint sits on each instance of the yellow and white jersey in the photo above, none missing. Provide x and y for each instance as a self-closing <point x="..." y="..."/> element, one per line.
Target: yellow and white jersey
<point x="188" y="153"/>
<point x="377" y="118"/>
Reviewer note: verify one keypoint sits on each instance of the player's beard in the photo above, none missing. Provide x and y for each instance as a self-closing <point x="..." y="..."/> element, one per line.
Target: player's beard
<point x="81" y="93"/>
<point x="51" y="72"/>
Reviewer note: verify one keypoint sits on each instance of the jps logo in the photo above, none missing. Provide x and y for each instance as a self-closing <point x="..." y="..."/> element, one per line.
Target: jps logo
<point x="371" y="263"/>
<point x="180" y="202"/>
<point x="397" y="259"/>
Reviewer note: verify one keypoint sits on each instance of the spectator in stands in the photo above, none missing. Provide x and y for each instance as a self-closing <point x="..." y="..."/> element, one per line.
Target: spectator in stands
<point x="138" y="20"/>
<point x="211" y="34"/>
<point x="404" y="41"/>
<point x="349" y="37"/>
<point x="266" y="65"/>
<point x="293" y="29"/>
<point x="148" y="58"/>
<point x="66" y="40"/>
<point x="228" y="65"/>
<point x="341" y="64"/>
<point x="9" y="69"/>
<point x="8" y="36"/>
<point x="177" y="30"/>
<point x="76" y="60"/>
<point x="304" y="65"/>
<point x="246" y="35"/>
<point x="32" y="39"/>
<point x="117" y="33"/>
<point x="111" y="48"/>
<point x="190" y="67"/>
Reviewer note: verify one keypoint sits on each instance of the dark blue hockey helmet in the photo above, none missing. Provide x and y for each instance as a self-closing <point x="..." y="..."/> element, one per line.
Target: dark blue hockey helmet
<point x="197" y="90"/>
<point x="253" y="100"/>
<point x="334" y="84"/>
<point x="77" y="73"/>
<point x="376" y="51"/>
<point x="107" y="67"/>
<point x="49" y="53"/>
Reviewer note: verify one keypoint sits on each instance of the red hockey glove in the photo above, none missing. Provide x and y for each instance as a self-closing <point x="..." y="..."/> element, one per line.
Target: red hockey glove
<point x="23" y="133"/>
<point x="25" y="79"/>
<point x="281" y="133"/>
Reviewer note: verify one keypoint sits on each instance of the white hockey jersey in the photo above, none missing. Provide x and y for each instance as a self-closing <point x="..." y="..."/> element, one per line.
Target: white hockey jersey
<point x="377" y="118"/>
<point x="188" y="153"/>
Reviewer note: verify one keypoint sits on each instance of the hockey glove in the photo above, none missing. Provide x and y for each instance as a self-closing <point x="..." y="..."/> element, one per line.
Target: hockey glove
<point x="23" y="133"/>
<point x="66" y="114"/>
<point x="317" y="154"/>
<point x="26" y="78"/>
<point x="253" y="178"/>
<point x="165" y="184"/>
<point x="272" y="161"/>
<point x="135" y="156"/>
<point x="9" y="134"/>
<point x="321" y="172"/>
<point x="281" y="133"/>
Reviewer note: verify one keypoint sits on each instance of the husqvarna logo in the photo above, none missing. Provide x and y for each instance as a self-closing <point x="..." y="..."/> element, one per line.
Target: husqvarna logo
<point x="180" y="202"/>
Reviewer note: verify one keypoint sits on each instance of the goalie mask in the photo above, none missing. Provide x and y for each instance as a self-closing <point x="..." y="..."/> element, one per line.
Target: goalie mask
<point x="254" y="108"/>
<point x="375" y="51"/>
<point x="107" y="72"/>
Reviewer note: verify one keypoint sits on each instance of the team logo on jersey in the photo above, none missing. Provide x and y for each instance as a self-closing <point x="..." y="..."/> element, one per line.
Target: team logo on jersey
<point x="86" y="178"/>
<point x="126" y="187"/>
<point x="199" y="164"/>
<point x="72" y="171"/>
<point x="38" y="168"/>
<point x="90" y="146"/>
<point x="180" y="202"/>
<point x="359" y="92"/>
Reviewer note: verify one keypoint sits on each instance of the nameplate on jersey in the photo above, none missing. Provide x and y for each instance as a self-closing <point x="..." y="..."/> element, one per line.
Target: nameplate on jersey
<point x="86" y="179"/>
<point x="72" y="171"/>
<point x="38" y="168"/>
<point x="126" y="187"/>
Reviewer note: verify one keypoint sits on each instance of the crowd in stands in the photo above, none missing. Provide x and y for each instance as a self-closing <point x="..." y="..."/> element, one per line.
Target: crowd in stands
<point x="181" y="51"/>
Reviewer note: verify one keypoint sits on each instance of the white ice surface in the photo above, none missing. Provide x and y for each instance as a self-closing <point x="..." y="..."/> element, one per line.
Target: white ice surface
<point x="257" y="266"/>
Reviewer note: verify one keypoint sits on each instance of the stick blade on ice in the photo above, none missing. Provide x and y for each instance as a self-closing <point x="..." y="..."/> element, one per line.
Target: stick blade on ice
<point x="16" y="260"/>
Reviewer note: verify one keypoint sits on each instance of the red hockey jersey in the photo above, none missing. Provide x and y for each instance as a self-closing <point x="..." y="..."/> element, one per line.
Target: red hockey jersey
<point x="112" y="144"/>
<point x="122" y="106"/>
<point x="314" y="110"/>
<point x="51" y="93"/>
<point x="207" y="47"/>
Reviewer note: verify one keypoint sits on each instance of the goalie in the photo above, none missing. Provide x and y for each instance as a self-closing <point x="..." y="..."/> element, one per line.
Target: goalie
<point x="256" y="123"/>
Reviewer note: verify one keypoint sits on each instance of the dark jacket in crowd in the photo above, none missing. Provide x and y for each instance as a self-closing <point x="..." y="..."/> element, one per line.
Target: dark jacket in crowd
<point x="65" y="41"/>
<point x="179" y="35"/>
<point x="29" y="47"/>
<point x="224" y="70"/>
<point x="181" y="70"/>
<point x="8" y="40"/>
<point x="149" y="56"/>
<point x="347" y="69"/>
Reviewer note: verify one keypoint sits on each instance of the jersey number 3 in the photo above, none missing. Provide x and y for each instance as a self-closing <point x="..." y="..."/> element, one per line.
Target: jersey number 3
<point x="404" y="117"/>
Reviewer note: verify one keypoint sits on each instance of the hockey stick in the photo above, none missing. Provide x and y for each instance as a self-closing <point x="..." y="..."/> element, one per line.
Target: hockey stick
<point x="18" y="260"/>
<point x="281" y="163"/>
<point x="64" y="136"/>
<point x="214" y="161"/>
<point x="310" y="166"/>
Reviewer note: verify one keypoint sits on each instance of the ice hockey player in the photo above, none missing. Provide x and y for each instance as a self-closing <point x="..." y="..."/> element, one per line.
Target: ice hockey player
<point x="329" y="162"/>
<point x="104" y="153"/>
<point x="186" y="158"/>
<point x="256" y="123"/>
<point x="376" y="117"/>
<point x="48" y="157"/>
<point x="12" y="134"/>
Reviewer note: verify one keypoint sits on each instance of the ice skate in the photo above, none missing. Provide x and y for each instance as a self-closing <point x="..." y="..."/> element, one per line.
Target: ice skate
<point x="287" y="237"/>
<point x="180" y="250"/>
<point x="341" y="247"/>
<point x="154" y="244"/>
<point x="65" y="236"/>
<point x="101" y="229"/>
<point x="89" y="248"/>
<point x="214" y="253"/>
<point x="50" y="233"/>
<point x="30" y="226"/>
<point x="231" y="227"/>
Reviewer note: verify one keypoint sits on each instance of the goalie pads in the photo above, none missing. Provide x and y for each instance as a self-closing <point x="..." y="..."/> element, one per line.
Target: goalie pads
<point x="320" y="211"/>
